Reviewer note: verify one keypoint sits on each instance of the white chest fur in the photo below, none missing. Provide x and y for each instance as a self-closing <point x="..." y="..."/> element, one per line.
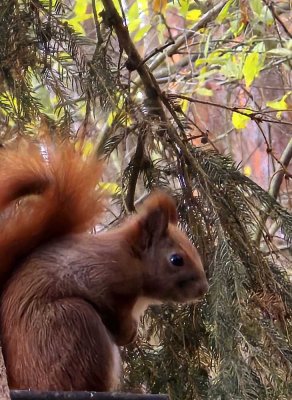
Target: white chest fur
<point x="141" y="305"/>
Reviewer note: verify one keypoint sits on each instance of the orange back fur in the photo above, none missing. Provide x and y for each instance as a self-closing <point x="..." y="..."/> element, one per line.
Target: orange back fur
<point x="57" y="191"/>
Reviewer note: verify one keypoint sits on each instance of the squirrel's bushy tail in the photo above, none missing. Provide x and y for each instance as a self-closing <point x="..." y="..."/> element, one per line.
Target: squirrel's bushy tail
<point x="46" y="191"/>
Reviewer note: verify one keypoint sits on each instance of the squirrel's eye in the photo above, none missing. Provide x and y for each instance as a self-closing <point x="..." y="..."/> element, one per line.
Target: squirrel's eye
<point x="177" y="260"/>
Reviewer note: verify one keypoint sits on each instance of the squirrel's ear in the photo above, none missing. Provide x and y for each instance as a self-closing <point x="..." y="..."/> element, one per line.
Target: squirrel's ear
<point x="156" y="213"/>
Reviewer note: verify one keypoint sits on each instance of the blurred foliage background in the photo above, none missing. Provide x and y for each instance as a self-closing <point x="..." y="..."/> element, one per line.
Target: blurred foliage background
<point x="195" y="96"/>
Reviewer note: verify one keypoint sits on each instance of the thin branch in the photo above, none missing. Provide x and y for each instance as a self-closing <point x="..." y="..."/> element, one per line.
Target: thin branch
<point x="275" y="185"/>
<point x="248" y="112"/>
<point x="206" y="18"/>
<point x="137" y="162"/>
<point x="156" y="51"/>
<point x="180" y="40"/>
<point x="280" y="173"/>
<point x="96" y="23"/>
<point x="276" y="17"/>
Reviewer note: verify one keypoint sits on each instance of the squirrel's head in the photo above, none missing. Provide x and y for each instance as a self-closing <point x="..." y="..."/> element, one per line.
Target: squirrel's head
<point x="171" y="266"/>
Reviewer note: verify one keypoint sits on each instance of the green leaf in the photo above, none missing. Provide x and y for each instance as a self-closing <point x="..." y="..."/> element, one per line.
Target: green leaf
<point x="184" y="7"/>
<point x="281" y="52"/>
<point x="239" y="28"/>
<point x="207" y="44"/>
<point x="239" y="120"/>
<point x="77" y="26"/>
<point x="267" y="16"/>
<point x="140" y="34"/>
<point x="205" y="74"/>
<point x="133" y="13"/>
<point x="133" y="25"/>
<point x="223" y="13"/>
<point x="289" y="44"/>
<point x="232" y="68"/>
<point x="251" y="68"/>
<point x="80" y="7"/>
<point x="256" y="6"/>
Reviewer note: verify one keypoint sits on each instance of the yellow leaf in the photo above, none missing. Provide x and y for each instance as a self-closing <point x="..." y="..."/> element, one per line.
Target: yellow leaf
<point x="251" y="67"/>
<point x="141" y="32"/>
<point x="204" y="91"/>
<point x="184" y="6"/>
<point x="80" y="7"/>
<point x="247" y="170"/>
<point x="110" y="187"/>
<point x="193" y="15"/>
<point x="159" y="6"/>
<point x="279" y="104"/>
<point x="223" y="13"/>
<point x="239" y="120"/>
<point x="184" y="105"/>
<point x="133" y="12"/>
<point x="133" y="25"/>
<point x="117" y="6"/>
<point x="87" y="147"/>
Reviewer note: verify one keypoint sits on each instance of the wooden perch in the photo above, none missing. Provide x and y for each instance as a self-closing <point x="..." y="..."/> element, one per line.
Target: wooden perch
<point x="37" y="395"/>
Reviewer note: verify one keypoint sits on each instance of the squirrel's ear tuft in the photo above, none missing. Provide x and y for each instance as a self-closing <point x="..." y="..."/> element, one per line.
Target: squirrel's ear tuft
<point x="157" y="211"/>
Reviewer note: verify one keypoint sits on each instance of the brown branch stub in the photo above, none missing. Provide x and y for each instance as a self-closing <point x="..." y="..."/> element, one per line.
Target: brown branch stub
<point x="280" y="173"/>
<point x="136" y="162"/>
<point x="4" y="389"/>
<point x="275" y="185"/>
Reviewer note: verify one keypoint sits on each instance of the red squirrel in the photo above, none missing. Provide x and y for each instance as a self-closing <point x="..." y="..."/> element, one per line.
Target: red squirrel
<point x="70" y="298"/>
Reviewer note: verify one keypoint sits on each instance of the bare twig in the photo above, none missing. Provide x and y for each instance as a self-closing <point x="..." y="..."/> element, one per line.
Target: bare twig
<point x="96" y="23"/>
<point x="157" y="50"/>
<point x="276" y="17"/>
<point x="207" y="17"/>
<point x="137" y="162"/>
<point x="280" y="173"/>
<point x="180" y="40"/>
<point x="275" y="185"/>
<point x="248" y="112"/>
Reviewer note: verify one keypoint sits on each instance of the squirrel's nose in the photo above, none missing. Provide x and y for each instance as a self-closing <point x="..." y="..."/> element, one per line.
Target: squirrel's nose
<point x="198" y="282"/>
<point x="202" y="287"/>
